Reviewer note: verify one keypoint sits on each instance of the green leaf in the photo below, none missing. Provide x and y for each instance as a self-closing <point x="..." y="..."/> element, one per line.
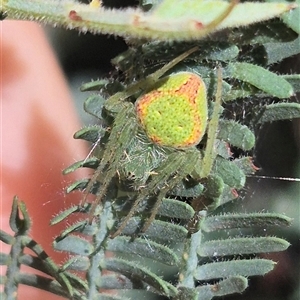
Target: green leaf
<point x="241" y="246"/>
<point x="93" y="105"/>
<point x="74" y="244"/>
<point x="229" y="172"/>
<point x="231" y="285"/>
<point x="280" y="111"/>
<point x="43" y="283"/>
<point x="225" y="53"/>
<point x="234" y="268"/>
<point x="189" y="255"/>
<point x="6" y="238"/>
<point x="214" y="186"/>
<point x="187" y="189"/>
<point x="186" y="293"/>
<point x="19" y="220"/>
<point x="77" y="185"/>
<point x="175" y="209"/>
<point x="65" y="213"/>
<point x="205" y="12"/>
<point x="236" y="134"/>
<point x="132" y="270"/>
<point x="187" y="20"/>
<point x="222" y="148"/>
<point x="81" y="185"/>
<point x="165" y="231"/>
<point x="246" y="165"/>
<point x="4" y="259"/>
<point x="294" y="80"/>
<point x="228" y="194"/>
<point x="276" y="52"/>
<point x="258" y="34"/>
<point x="144" y="248"/>
<point x="230" y="221"/>
<point x="114" y="281"/>
<point x="91" y="162"/>
<point x="292" y="18"/>
<point x="80" y="226"/>
<point x="243" y="90"/>
<point x="261" y="78"/>
<point x="107" y="296"/>
<point x="91" y="133"/>
<point x="78" y="263"/>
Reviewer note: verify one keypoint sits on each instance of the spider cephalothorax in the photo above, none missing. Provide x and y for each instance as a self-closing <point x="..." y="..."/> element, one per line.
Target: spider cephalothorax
<point x="170" y="117"/>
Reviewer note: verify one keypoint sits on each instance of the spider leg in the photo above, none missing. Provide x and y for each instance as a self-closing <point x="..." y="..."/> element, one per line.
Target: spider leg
<point x="122" y="133"/>
<point x="90" y="184"/>
<point x="186" y="168"/>
<point x="209" y="153"/>
<point x="163" y="181"/>
<point x="150" y="188"/>
<point x="117" y="98"/>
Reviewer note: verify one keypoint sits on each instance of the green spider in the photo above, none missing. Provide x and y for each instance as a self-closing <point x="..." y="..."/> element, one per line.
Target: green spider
<point x="147" y="128"/>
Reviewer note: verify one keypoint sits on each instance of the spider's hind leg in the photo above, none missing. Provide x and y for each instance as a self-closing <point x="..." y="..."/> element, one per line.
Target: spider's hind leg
<point x="169" y="174"/>
<point x="187" y="163"/>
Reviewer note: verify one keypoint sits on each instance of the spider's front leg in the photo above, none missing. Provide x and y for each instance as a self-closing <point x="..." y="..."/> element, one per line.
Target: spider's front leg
<point x="115" y="103"/>
<point x="123" y="130"/>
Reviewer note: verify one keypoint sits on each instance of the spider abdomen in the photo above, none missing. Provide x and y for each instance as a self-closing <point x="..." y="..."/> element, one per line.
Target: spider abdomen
<point x="174" y="112"/>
